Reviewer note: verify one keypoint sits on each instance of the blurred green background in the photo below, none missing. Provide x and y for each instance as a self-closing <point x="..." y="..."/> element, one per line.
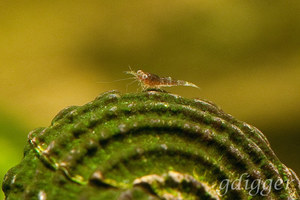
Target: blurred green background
<point x="245" y="56"/>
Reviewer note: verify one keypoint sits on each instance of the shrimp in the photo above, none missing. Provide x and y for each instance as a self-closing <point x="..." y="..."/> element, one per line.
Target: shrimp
<point x="148" y="80"/>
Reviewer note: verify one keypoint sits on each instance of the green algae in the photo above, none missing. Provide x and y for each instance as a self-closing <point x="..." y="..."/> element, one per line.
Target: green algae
<point x="100" y="150"/>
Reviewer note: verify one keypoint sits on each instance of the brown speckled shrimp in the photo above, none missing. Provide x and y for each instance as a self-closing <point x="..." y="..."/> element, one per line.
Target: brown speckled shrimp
<point x="148" y="80"/>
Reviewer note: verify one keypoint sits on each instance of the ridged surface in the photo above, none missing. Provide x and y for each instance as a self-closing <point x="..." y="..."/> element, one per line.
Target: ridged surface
<point x="146" y="145"/>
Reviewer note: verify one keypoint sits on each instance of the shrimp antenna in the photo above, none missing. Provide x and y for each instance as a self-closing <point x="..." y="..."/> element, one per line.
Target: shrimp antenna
<point x="130" y="71"/>
<point x="117" y="80"/>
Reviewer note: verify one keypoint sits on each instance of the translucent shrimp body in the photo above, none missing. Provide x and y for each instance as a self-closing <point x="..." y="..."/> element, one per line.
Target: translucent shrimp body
<point x="148" y="80"/>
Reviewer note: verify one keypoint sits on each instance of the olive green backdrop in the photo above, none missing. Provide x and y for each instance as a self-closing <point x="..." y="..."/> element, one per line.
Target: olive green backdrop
<point x="245" y="56"/>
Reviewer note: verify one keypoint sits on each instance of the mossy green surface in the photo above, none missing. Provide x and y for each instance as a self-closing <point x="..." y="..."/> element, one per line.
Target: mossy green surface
<point x="148" y="144"/>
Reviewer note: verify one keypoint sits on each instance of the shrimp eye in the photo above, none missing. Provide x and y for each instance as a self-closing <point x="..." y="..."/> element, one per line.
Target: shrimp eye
<point x="144" y="76"/>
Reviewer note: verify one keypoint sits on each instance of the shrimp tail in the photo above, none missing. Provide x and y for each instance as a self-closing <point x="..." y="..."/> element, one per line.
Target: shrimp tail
<point x="185" y="83"/>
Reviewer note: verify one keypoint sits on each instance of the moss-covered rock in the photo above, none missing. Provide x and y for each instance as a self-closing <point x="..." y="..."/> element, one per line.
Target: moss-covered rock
<point x="148" y="145"/>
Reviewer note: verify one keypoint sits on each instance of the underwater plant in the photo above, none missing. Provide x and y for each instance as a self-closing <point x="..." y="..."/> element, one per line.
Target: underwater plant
<point x="148" y="145"/>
